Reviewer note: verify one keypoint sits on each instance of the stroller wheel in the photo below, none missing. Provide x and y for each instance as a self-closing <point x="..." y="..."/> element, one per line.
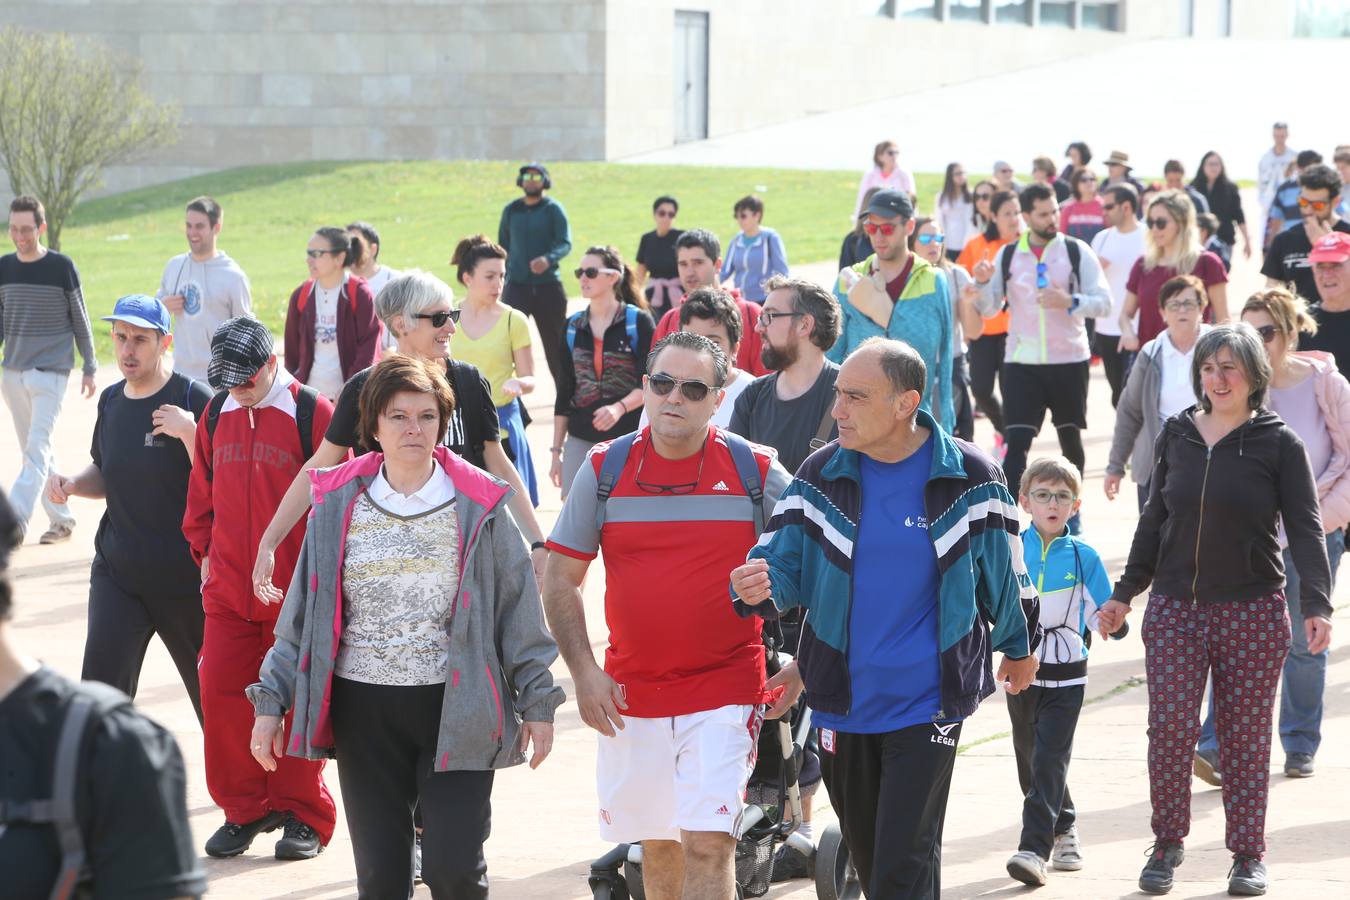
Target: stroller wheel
<point x="632" y="873"/>
<point x="836" y="879"/>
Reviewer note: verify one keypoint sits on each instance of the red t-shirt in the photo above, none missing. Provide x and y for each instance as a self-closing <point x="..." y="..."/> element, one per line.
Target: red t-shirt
<point x="676" y="646"/>
<point x="1145" y="284"/>
<point x="748" y="357"/>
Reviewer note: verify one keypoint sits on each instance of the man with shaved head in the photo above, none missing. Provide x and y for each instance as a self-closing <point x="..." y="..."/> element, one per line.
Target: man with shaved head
<point x="895" y="649"/>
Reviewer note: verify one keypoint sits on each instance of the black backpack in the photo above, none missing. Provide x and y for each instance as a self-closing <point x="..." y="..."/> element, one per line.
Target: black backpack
<point x="305" y="402"/>
<point x="87" y="707"/>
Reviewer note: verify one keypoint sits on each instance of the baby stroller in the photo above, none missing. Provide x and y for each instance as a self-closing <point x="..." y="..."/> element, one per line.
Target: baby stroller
<point x="771" y="816"/>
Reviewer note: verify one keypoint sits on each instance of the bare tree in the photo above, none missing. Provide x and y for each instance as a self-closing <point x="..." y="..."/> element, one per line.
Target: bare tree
<point x="67" y="111"/>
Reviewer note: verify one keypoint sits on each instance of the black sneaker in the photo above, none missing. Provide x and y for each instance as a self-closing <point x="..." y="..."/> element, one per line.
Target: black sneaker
<point x="1163" y="857"/>
<point x="232" y="839"/>
<point x="1247" y="878"/>
<point x="792" y="863"/>
<point x="298" y="841"/>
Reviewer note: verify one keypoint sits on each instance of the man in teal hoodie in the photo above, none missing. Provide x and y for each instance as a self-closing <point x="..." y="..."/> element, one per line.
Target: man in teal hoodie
<point x="535" y="234"/>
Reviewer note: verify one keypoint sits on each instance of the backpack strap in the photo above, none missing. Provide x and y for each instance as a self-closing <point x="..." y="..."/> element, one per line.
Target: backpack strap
<point x="573" y="323"/>
<point x="747" y="468"/>
<point x="306" y="291"/>
<point x="305" y="401"/>
<point x="212" y="418"/>
<point x="87" y="707"/>
<point x="630" y="320"/>
<point x="616" y="455"/>
<point x="1075" y="257"/>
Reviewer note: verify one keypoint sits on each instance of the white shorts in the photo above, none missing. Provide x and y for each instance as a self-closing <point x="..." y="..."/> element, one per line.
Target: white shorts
<point x="658" y="777"/>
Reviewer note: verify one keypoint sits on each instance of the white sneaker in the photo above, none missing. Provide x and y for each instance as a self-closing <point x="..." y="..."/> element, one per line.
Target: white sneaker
<point x="1067" y="857"/>
<point x="1027" y="867"/>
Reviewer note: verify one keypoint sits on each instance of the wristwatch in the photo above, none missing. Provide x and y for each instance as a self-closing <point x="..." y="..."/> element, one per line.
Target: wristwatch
<point x="537" y="545"/>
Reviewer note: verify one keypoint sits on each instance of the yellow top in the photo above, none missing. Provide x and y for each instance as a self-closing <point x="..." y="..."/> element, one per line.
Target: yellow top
<point x="494" y="352"/>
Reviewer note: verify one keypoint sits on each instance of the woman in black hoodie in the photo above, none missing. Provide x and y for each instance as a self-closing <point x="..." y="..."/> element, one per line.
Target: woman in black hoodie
<point x="1207" y="550"/>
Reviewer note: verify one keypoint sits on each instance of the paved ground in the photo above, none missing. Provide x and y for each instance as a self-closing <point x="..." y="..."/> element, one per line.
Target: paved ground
<point x="543" y="839"/>
<point x="1107" y="99"/>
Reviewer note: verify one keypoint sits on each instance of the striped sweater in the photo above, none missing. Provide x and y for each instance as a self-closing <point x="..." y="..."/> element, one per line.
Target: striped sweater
<point x="986" y="600"/>
<point x="41" y="311"/>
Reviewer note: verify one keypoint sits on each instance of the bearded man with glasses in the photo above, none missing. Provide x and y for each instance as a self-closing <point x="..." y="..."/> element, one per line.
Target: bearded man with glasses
<point x="681" y="696"/>
<point x="789" y="410"/>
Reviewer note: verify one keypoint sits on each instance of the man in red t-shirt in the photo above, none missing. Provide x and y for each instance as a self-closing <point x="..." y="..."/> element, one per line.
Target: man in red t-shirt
<point x="680" y="699"/>
<point x="698" y="255"/>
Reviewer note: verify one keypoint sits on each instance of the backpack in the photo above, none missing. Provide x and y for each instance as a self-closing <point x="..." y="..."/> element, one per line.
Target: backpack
<point x="742" y="454"/>
<point x="87" y="707"/>
<point x="307" y="291"/>
<point x="305" y="402"/>
<point x="630" y="320"/>
<point x="1075" y="257"/>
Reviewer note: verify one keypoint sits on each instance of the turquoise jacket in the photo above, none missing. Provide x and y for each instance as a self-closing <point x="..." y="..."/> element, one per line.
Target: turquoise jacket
<point x="986" y="599"/>
<point x="1072" y="584"/>
<point x="922" y="318"/>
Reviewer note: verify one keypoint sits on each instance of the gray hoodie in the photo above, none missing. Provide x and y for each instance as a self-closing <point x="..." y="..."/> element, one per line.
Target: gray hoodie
<point x="500" y="650"/>
<point x="212" y="291"/>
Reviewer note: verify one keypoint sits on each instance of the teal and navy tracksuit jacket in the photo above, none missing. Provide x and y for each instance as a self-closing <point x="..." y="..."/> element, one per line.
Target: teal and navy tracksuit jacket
<point x="987" y="601"/>
<point x="1072" y="585"/>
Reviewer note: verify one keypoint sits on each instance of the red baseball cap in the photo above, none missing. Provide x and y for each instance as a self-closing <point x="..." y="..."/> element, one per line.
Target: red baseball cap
<point x="1332" y="248"/>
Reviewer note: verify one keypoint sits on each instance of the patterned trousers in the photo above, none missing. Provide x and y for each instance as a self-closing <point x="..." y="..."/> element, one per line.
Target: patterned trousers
<point x="1245" y="645"/>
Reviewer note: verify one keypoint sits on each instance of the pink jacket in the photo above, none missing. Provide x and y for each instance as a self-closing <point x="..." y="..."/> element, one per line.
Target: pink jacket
<point x="1333" y="398"/>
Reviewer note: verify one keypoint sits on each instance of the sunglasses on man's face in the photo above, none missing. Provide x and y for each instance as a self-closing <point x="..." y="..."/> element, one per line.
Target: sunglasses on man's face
<point x="665" y="213"/>
<point x="315" y="254"/>
<point x="532" y="176"/>
<point x="1314" y="205"/>
<point x="931" y="238"/>
<point x="693" y="390"/>
<point x="1108" y="207"/>
<point x="438" y="319"/>
<point x="887" y="229"/>
<point x="593" y="272"/>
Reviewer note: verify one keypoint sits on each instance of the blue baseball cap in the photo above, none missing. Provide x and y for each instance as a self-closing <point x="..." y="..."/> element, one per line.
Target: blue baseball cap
<point x="141" y="311"/>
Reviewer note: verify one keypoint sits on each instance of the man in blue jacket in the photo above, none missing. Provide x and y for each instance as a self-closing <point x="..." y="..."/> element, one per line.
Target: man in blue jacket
<point x="535" y="233"/>
<point x="901" y="616"/>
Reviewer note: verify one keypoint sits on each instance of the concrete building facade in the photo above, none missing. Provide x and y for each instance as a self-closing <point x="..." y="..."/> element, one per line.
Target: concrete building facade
<point x="272" y="81"/>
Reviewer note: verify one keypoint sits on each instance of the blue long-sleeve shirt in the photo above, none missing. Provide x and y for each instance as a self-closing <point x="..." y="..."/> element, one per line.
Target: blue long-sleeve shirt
<point x="750" y="264"/>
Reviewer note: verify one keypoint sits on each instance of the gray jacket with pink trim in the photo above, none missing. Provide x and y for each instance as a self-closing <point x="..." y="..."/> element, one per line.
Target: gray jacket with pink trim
<point x="500" y="649"/>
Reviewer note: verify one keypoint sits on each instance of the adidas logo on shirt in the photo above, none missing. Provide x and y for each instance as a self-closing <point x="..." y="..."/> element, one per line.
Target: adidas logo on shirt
<point x="721" y="486"/>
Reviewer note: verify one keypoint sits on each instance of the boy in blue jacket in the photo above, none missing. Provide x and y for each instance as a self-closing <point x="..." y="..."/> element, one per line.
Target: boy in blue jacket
<point x="1072" y="584"/>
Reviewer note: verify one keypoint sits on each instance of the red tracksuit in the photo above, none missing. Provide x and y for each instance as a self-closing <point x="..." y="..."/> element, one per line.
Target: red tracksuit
<point x="238" y="478"/>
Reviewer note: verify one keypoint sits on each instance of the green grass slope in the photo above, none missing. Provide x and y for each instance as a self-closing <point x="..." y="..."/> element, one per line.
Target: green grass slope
<point x="120" y="243"/>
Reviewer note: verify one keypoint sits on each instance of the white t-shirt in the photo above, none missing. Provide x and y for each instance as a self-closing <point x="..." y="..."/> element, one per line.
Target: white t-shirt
<point x="1176" y="391"/>
<point x="383" y="275"/>
<point x="325" y="376"/>
<point x="1118" y="250"/>
<point x="721" y="418"/>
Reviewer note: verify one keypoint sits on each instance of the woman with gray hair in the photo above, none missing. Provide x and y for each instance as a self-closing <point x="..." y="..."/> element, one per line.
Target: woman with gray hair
<point x="416" y="308"/>
<point x="1208" y="551"/>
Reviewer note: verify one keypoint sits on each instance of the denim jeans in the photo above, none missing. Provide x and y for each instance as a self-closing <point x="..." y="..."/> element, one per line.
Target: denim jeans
<point x="34" y="400"/>
<point x="1305" y="674"/>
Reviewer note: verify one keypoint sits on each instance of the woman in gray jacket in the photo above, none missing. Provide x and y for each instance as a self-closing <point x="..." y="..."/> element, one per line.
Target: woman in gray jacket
<point x="422" y="671"/>
<point x="1159" y="385"/>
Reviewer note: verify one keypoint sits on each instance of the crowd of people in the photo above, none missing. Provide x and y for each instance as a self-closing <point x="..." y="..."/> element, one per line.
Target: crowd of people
<point x="280" y="520"/>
